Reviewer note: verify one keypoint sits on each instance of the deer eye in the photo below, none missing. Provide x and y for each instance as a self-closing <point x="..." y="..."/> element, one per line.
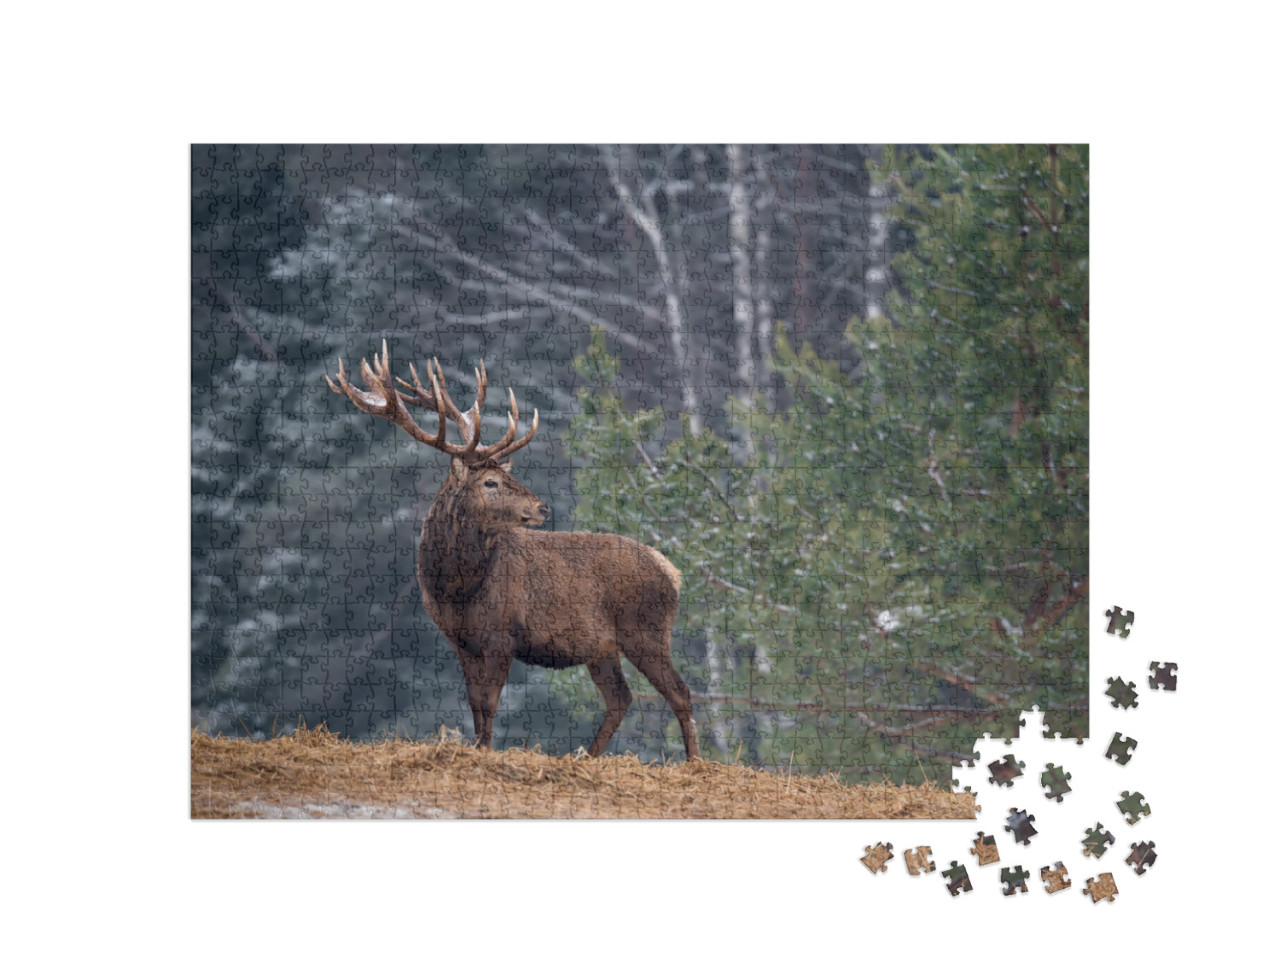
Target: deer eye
<point x="490" y="483"/>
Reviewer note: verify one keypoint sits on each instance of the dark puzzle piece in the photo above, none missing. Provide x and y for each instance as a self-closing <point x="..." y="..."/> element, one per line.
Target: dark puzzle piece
<point x="1055" y="880"/>
<point x="1118" y="617"/>
<point x="1133" y="806"/>
<point x="1096" y="841"/>
<point x="1163" y="676"/>
<point x="1055" y="780"/>
<point x="1120" y="749"/>
<point x="984" y="847"/>
<point x="1122" y="693"/>
<point x="959" y="879"/>
<point x="1014" y="879"/>
<point x="1005" y="771"/>
<point x="877" y="857"/>
<point x="1020" y="825"/>
<point x="1104" y="887"/>
<point x="918" y="860"/>
<point x="1141" y="855"/>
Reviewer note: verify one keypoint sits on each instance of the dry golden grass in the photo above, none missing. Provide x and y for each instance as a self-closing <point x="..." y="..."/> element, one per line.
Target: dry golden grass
<point x="313" y="773"/>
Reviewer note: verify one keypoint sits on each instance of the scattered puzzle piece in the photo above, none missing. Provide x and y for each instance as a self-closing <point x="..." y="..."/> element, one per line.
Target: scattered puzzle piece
<point x="1134" y="806"/>
<point x="1141" y="855"/>
<point x="1055" y="780"/>
<point x="1163" y="676"/>
<point x="1013" y="879"/>
<point x="984" y="847"/>
<point x="877" y="857"/>
<point x="959" y="879"/>
<point x="1104" y="887"/>
<point x="1122" y="693"/>
<point x="1020" y="825"/>
<point x="1055" y="880"/>
<point x="1121" y="748"/>
<point x="1096" y="841"/>
<point x="1118" y="617"/>
<point x="1005" y="771"/>
<point x="918" y="860"/>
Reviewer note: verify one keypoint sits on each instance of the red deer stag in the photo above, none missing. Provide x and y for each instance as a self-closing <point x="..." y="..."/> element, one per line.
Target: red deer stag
<point x="500" y="590"/>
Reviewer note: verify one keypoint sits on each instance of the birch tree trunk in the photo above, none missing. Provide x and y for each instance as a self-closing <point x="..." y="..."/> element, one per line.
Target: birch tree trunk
<point x="643" y="213"/>
<point x="743" y="313"/>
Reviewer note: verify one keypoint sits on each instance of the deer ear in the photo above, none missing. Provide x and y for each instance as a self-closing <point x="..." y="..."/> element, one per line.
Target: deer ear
<point x="505" y="466"/>
<point x="458" y="469"/>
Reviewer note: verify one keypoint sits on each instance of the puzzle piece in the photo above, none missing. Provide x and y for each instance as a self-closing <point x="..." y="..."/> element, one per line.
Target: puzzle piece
<point x="918" y="860"/>
<point x="1122" y="693"/>
<point x="1121" y="749"/>
<point x="1104" y="887"/>
<point x="1055" y="780"/>
<point x="1096" y="841"/>
<point x="984" y="847"/>
<point x="1005" y="771"/>
<point x="876" y="858"/>
<point x="1013" y="879"/>
<point x="1141" y="856"/>
<point x="958" y="878"/>
<point x="1020" y="825"/>
<point x="1163" y="676"/>
<point x="1118" y="617"/>
<point x="1134" y="806"/>
<point x="1055" y="880"/>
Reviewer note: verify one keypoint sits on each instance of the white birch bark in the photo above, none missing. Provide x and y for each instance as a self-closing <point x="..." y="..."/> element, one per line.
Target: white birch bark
<point x="646" y="218"/>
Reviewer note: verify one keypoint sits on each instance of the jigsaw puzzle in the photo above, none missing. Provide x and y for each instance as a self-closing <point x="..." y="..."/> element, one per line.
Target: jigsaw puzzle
<point x="1055" y="880"/>
<point x="1141" y="856"/>
<point x="1133" y="806"/>
<point x="1119" y="621"/>
<point x="1102" y="887"/>
<point x="918" y="861"/>
<point x="1055" y="780"/>
<point x="984" y="847"/>
<point x="1014" y="879"/>
<point x="543" y="469"/>
<point x="1123" y="694"/>
<point x="1019" y="823"/>
<point x="877" y="857"/>
<point x="1096" y="841"/>
<point x="1164" y="676"/>
<point x="1004" y="772"/>
<point x="957" y="879"/>
<point x="1121" y="749"/>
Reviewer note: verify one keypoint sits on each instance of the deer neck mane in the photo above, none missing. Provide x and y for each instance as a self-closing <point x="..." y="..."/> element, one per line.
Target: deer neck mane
<point x="455" y="554"/>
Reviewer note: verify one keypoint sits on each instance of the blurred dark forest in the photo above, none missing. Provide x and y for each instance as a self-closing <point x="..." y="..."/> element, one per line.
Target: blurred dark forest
<point x="843" y="388"/>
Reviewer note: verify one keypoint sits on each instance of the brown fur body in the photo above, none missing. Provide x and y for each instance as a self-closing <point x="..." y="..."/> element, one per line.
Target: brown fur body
<point x="499" y="591"/>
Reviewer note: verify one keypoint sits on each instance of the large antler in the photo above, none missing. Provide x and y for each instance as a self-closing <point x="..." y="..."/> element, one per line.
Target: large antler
<point x="386" y="401"/>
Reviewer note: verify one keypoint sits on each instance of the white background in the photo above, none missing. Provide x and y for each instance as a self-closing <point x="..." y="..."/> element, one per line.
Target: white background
<point x="102" y="103"/>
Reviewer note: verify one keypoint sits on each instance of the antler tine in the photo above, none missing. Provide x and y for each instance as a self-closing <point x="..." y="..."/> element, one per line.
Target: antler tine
<point x="442" y="396"/>
<point x="442" y="400"/>
<point x="512" y="449"/>
<point x="383" y="399"/>
<point x="421" y="397"/>
<point x="367" y="402"/>
<point x="506" y="446"/>
<point x="386" y="402"/>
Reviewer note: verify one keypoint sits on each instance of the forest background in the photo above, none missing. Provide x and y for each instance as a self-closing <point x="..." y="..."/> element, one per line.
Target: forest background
<point x="844" y="389"/>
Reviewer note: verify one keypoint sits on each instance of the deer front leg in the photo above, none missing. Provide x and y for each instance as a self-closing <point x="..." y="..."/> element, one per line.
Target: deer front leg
<point x="485" y="673"/>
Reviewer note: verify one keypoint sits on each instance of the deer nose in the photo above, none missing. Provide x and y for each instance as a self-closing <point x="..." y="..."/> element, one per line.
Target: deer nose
<point x="544" y="511"/>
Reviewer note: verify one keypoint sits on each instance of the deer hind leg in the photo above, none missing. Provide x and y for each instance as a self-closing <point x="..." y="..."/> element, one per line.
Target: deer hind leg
<point x="606" y="673"/>
<point x="659" y="671"/>
<point x="485" y="674"/>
